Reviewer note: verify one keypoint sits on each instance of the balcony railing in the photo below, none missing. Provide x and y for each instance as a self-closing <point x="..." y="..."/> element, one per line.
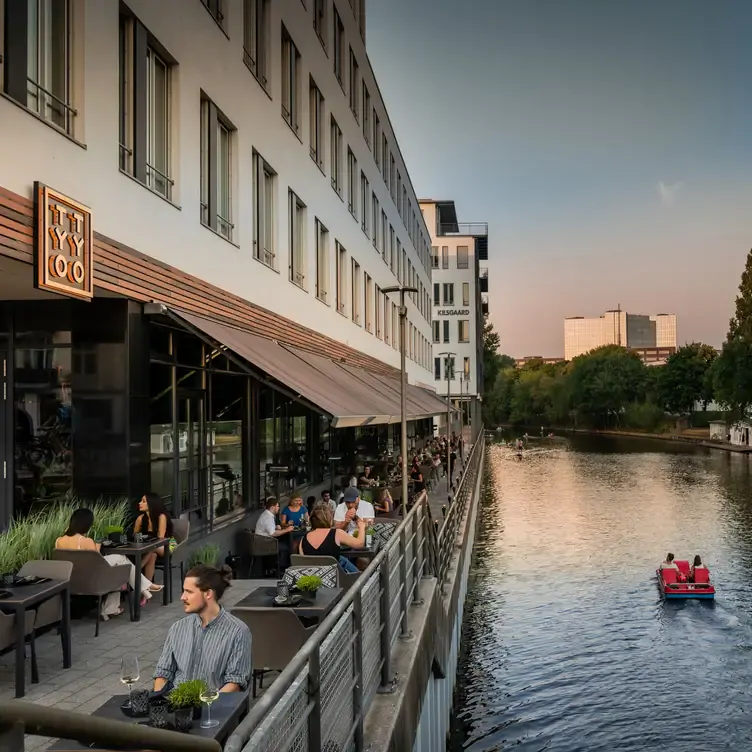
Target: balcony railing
<point x="462" y="228"/>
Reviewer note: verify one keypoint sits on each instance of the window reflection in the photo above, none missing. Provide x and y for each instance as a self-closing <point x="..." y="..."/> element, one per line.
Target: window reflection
<point x="227" y="440"/>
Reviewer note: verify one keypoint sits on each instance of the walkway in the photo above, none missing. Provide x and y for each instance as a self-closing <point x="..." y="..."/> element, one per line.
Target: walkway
<point x="95" y="674"/>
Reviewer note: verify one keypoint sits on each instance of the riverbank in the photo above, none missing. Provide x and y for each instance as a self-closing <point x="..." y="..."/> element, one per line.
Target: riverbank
<point x="676" y="438"/>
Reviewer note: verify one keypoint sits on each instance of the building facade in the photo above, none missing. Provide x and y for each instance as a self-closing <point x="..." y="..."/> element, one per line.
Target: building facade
<point x="193" y="248"/>
<point x="460" y="303"/>
<point x="617" y="327"/>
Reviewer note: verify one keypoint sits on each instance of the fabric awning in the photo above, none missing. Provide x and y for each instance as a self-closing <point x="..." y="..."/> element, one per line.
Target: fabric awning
<point x="343" y="399"/>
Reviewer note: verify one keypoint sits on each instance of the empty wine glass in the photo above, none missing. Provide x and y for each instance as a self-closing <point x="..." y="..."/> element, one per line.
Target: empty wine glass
<point x="209" y="694"/>
<point x="129" y="674"/>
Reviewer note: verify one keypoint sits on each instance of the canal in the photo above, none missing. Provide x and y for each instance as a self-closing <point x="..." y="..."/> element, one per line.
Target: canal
<point x="567" y="646"/>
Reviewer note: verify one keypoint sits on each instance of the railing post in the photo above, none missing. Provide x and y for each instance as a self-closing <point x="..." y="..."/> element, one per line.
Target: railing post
<point x="358" y="670"/>
<point x="404" y="630"/>
<point x="386" y="628"/>
<point x="314" y="693"/>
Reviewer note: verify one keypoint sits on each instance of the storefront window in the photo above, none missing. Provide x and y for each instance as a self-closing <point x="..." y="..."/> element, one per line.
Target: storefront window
<point x="43" y="417"/>
<point x="161" y="439"/>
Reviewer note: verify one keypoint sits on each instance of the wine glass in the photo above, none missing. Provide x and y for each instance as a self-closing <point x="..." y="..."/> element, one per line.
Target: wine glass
<point x="209" y="693"/>
<point x="129" y="674"/>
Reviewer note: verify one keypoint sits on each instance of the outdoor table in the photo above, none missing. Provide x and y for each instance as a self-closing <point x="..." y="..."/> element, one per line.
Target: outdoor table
<point x="135" y="551"/>
<point x="318" y="607"/>
<point x="22" y="599"/>
<point x="229" y="708"/>
<point x="360" y="553"/>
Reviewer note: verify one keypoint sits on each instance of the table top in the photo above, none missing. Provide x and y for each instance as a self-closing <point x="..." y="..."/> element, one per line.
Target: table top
<point x="227" y="709"/>
<point x="135" y="548"/>
<point x="28" y="595"/>
<point x="320" y="606"/>
<point x="360" y="553"/>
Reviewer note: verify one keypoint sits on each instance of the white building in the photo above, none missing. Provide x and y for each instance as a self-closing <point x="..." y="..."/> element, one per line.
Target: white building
<point x="617" y="327"/>
<point x="232" y="161"/>
<point x="460" y="302"/>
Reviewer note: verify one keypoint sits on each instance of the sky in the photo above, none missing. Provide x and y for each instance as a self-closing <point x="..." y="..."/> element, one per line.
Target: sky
<point x="608" y="143"/>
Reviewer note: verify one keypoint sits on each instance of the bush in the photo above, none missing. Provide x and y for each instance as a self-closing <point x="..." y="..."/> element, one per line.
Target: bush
<point x="644" y="416"/>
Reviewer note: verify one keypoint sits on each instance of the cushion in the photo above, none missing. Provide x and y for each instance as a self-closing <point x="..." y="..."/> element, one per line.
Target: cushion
<point x="683" y="566"/>
<point x="702" y="575"/>
<point x="669" y="575"/>
<point x="328" y="574"/>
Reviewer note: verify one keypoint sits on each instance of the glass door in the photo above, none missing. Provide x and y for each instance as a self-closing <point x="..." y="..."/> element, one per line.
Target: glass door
<point x="6" y="436"/>
<point x="193" y="472"/>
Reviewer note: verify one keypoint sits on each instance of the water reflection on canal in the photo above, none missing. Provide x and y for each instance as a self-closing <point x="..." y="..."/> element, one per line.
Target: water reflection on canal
<point x="567" y="645"/>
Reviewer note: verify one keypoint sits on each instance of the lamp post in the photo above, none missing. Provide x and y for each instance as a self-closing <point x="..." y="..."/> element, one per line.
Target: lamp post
<point x="403" y="385"/>
<point x="449" y="408"/>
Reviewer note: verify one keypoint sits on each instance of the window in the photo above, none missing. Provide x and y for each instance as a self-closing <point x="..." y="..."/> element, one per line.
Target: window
<point x="393" y="175"/>
<point x="465" y="293"/>
<point x="375" y="210"/>
<point x="384" y="235"/>
<point x="368" y="299"/>
<point x="376" y="139"/>
<point x="366" y="115"/>
<point x="387" y="320"/>
<point x="364" y="195"/>
<point x="462" y="259"/>
<point x="398" y="195"/>
<point x="362" y="18"/>
<point x="296" y="238"/>
<point x="396" y="334"/>
<point x="434" y="257"/>
<point x="436" y="332"/>
<point x="355" y="294"/>
<point x="341" y="279"/>
<point x="385" y="160"/>
<point x="322" y="261"/>
<point x="444" y="257"/>
<point x="316" y="121"/>
<point x="290" y="82"/>
<point x="264" y="183"/>
<point x="256" y="38"/>
<point x="448" y="293"/>
<point x="319" y="20"/>
<point x="335" y="147"/>
<point x="38" y="59"/>
<point x="391" y="248"/>
<point x="463" y="330"/>
<point x="404" y="263"/>
<point x="399" y="261"/>
<point x="466" y="368"/>
<point x="378" y="310"/>
<point x="436" y="294"/>
<point x="145" y="93"/>
<point x="338" y="47"/>
<point x="215" y="8"/>
<point x="354" y="84"/>
<point x="445" y="327"/>
<point x="352" y="183"/>
<point x="437" y="369"/>
<point x="216" y="176"/>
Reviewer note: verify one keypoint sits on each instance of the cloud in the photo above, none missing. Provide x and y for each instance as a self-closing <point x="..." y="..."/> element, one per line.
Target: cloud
<point x="668" y="192"/>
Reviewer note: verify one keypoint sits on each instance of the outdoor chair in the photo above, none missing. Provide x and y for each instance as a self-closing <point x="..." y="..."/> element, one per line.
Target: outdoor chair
<point x="262" y="547"/>
<point x="92" y="575"/>
<point x="8" y="638"/>
<point x="181" y="529"/>
<point x="345" y="580"/>
<point x="277" y="636"/>
<point x="384" y="529"/>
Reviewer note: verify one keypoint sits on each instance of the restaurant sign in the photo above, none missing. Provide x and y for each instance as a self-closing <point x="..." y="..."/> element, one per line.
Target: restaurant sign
<point x="64" y="244"/>
<point x="453" y="312"/>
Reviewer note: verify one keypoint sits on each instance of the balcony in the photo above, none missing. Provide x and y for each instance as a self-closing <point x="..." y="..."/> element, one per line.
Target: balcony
<point x="474" y="229"/>
<point x="484" y="305"/>
<point x="484" y="281"/>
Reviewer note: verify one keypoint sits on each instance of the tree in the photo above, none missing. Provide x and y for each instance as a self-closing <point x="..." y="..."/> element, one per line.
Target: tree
<point x="732" y="370"/>
<point x="493" y="362"/>
<point x="683" y="381"/>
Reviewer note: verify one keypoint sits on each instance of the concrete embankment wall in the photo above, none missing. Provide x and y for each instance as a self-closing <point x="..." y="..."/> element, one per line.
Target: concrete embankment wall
<point x="416" y="715"/>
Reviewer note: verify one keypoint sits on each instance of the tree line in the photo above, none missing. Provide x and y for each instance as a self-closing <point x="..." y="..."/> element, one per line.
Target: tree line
<point x="610" y="387"/>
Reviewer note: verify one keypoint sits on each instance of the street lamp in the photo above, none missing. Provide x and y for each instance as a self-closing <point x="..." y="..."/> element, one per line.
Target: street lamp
<point x="449" y="407"/>
<point x="403" y="384"/>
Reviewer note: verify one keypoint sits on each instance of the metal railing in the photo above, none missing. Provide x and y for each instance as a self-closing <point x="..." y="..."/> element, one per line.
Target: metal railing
<point x="462" y="228"/>
<point x="320" y="700"/>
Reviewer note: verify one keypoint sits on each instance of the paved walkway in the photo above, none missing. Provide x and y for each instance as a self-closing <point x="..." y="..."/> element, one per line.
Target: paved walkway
<point x="95" y="674"/>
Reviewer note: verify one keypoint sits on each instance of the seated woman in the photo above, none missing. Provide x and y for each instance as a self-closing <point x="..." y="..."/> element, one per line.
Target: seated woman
<point x="669" y="563"/>
<point x="294" y="513"/>
<point x="696" y="564"/>
<point x="324" y="540"/>
<point x="365" y="479"/>
<point x="154" y="518"/>
<point x="75" y="539"/>
<point x="385" y="503"/>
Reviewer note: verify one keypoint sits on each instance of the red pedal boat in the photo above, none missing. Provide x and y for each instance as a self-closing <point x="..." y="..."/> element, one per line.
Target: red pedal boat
<point x="675" y="584"/>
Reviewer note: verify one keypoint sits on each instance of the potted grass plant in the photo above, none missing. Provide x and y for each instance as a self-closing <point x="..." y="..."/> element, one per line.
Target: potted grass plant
<point x="185" y="703"/>
<point x="208" y="555"/>
<point x="309" y="584"/>
<point x="12" y="554"/>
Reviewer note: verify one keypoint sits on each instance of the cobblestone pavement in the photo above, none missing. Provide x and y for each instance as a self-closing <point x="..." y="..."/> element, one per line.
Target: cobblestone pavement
<point x="95" y="674"/>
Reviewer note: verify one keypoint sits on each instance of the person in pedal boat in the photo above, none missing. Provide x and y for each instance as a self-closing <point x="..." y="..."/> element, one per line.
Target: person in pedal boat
<point x="696" y="564"/>
<point x="669" y="563"/>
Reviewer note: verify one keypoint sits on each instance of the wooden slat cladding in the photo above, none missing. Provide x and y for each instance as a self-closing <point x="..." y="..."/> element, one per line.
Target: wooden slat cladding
<point x="122" y="270"/>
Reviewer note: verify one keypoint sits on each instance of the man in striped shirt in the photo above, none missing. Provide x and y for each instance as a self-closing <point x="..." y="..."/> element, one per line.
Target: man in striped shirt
<point x="208" y="644"/>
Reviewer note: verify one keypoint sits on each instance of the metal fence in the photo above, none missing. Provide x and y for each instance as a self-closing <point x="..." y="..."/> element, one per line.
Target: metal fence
<point x="320" y="700"/>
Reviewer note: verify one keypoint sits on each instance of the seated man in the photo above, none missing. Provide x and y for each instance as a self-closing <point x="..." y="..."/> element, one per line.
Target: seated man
<point x="208" y="644"/>
<point x="352" y="509"/>
<point x="267" y="521"/>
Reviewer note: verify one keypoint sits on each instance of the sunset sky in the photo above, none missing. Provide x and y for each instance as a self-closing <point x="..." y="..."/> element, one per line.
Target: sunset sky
<point x="607" y="143"/>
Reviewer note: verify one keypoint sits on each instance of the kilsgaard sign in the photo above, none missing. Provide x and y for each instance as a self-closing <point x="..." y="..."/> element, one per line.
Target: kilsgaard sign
<point x="453" y="312"/>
